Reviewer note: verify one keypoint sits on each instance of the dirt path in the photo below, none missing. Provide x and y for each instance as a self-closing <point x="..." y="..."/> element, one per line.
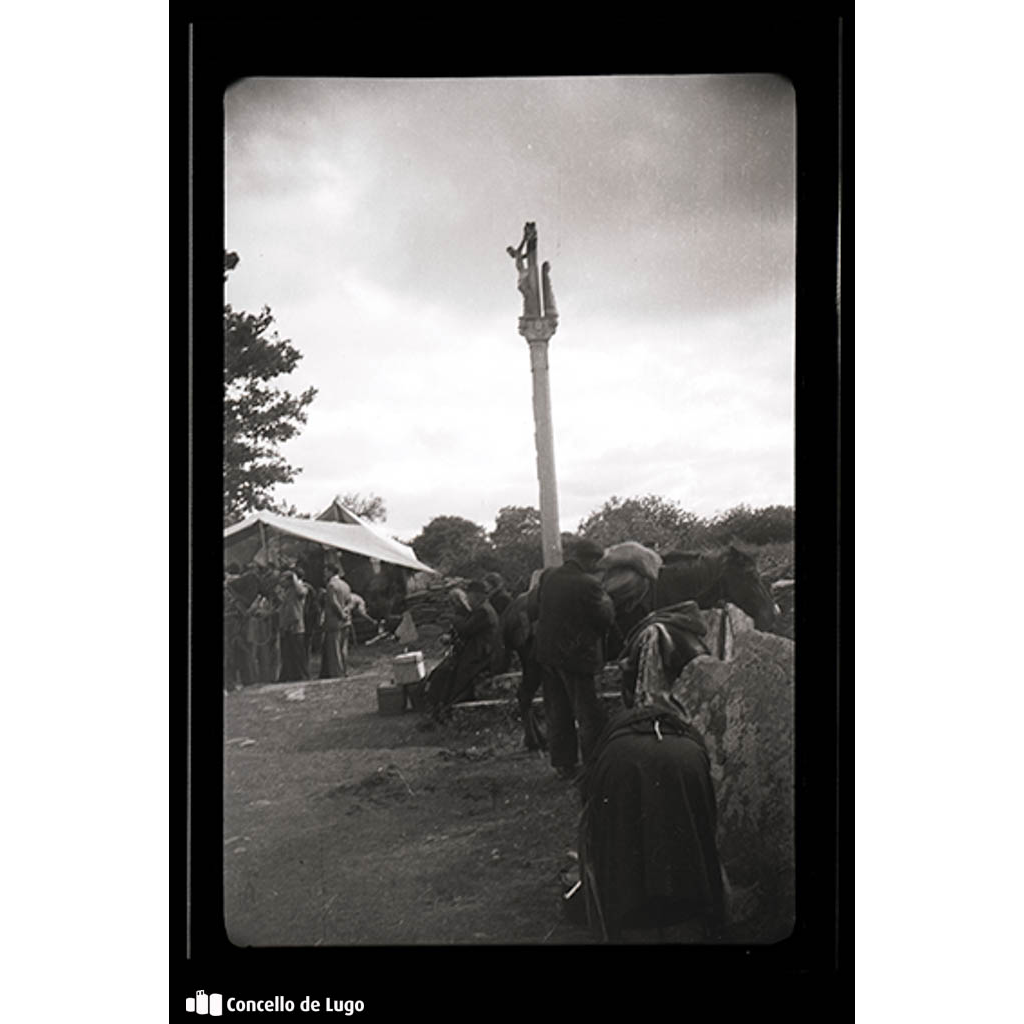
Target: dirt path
<point x="344" y="826"/>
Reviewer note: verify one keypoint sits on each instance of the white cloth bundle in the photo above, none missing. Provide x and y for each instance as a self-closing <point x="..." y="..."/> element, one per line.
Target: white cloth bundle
<point x="630" y="554"/>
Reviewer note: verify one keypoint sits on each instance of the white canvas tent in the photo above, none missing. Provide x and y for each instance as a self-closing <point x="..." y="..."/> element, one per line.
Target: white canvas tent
<point x="353" y="534"/>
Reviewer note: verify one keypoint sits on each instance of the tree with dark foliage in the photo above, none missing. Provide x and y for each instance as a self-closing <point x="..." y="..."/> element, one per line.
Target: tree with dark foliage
<point x="651" y="520"/>
<point x="371" y="508"/>
<point x="258" y="417"/>
<point x="452" y="545"/>
<point x="517" y="547"/>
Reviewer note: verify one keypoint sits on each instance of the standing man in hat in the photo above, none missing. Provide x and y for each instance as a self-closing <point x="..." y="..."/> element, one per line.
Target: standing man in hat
<point x="573" y="614"/>
<point x="337" y="622"/>
<point x="292" y="590"/>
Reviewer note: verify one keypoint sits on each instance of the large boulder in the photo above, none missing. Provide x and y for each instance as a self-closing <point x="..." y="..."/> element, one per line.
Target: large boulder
<point x="742" y="701"/>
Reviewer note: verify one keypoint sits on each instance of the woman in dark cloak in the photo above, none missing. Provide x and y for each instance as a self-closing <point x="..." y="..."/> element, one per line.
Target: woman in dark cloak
<point x="647" y="849"/>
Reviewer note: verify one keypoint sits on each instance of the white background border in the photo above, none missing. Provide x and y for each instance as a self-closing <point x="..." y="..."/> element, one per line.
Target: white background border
<point x="937" y="348"/>
<point x="85" y="423"/>
<point x="938" y="275"/>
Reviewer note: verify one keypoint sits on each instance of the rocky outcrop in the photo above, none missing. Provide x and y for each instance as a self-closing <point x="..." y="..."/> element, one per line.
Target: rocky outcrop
<point x="742" y="702"/>
<point x="741" y="699"/>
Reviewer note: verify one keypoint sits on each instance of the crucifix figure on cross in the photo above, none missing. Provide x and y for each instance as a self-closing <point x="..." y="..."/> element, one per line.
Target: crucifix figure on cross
<point x="526" y="269"/>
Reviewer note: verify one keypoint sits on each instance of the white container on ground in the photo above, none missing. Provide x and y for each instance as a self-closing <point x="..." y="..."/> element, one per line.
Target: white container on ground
<point x="409" y="668"/>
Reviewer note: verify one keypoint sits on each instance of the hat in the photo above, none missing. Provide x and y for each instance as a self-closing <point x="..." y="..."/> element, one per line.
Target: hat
<point x="494" y="580"/>
<point x="586" y="551"/>
<point x="476" y="587"/>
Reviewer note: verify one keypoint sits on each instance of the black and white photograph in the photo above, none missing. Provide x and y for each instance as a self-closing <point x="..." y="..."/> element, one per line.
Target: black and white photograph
<point x="509" y="510"/>
<point x="501" y="377"/>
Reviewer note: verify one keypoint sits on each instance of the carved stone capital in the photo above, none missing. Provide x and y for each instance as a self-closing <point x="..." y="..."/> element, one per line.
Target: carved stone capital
<point x="537" y="328"/>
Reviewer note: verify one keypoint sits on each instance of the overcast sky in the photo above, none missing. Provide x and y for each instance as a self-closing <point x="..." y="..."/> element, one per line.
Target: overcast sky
<point x="372" y="217"/>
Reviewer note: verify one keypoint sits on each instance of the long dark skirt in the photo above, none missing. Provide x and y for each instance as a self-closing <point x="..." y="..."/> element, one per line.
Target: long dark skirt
<point x="239" y="663"/>
<point x="647" y="833"/>
<point x="293" y="657"/>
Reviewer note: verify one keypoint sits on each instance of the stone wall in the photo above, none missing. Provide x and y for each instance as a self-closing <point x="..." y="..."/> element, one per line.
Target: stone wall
<point x="431" y="608"/>
<point x="744" y="708"/>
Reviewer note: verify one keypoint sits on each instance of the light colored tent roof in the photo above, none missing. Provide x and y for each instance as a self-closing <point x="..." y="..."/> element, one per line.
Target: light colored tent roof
<point x="338" y="513"/>
<point x="359" y="537"/>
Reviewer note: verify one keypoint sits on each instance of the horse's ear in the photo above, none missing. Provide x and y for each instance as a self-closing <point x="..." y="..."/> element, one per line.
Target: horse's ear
<point x="736" y="553"/>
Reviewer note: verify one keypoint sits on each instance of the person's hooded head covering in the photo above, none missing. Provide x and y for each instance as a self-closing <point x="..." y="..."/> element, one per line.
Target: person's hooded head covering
<point x="586" y="552"/>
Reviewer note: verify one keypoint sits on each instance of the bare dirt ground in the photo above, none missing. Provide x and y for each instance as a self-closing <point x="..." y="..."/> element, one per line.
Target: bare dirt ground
<point x="343" y="826"/>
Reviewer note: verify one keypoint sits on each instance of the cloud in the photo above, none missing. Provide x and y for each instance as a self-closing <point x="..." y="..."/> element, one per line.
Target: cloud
<point x="664" y="412"/>
<point x="372" y="216"/>
<point x="647" y="187"/>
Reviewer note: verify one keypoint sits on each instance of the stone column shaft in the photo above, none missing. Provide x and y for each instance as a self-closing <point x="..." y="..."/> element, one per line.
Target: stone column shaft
<point x="537" y="331"/>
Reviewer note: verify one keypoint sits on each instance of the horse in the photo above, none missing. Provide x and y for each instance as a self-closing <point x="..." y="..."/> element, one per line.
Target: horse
<point x="709" y="578"/>
<point x="516" y="632"/>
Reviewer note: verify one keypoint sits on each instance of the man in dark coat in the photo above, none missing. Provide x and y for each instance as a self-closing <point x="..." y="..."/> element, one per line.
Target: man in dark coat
<point x="573" y="613"/>
<point x="474" y="641"/>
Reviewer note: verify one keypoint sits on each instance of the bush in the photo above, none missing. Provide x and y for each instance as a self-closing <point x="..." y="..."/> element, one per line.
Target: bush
<point x="770" y="525"/>
<point x="649" y="520"/>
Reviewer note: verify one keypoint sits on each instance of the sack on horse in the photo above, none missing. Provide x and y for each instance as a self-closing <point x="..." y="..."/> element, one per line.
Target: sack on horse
<point x="659" y="646"/>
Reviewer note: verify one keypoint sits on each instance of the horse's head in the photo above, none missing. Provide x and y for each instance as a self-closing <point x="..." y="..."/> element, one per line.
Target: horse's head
<point x="743" y="586"/>
<point x="514" y="624"/>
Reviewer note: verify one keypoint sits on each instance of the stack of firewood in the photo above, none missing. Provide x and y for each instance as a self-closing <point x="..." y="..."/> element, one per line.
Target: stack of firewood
<point x="431" y="608"/>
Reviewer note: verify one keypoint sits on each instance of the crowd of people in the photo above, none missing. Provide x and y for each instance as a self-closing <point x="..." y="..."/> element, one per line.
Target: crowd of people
<point x="647" y="852"/>
<point x="275" y="621"/>
<point x="648" y="860"/>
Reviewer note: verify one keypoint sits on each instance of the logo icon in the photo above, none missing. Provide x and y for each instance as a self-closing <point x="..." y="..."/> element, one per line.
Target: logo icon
<point x="213" y="1004"/>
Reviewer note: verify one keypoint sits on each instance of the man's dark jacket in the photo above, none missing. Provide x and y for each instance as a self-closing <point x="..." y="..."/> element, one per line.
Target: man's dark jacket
<point x="477" y="634"/>
<point x="573" y="614"/>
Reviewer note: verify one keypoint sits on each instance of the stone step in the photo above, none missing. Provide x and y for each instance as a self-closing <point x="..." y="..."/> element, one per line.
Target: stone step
<point x="504" y="713"/>
<point x="507" y="683"/>
<point x="497" y="706"/>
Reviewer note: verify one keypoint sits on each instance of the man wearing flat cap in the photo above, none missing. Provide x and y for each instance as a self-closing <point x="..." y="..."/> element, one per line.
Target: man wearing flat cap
<point x="573" y="614"/>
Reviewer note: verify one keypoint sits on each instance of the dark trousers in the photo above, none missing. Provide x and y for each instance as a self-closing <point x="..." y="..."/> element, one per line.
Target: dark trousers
<point x="529" y="684"/>
<point x="293" y="657"/>
<point x="239" y="663"/>
<point x="334" y="662"/>
<point x="265" y="657"/>
<point x="571" y="700"/>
